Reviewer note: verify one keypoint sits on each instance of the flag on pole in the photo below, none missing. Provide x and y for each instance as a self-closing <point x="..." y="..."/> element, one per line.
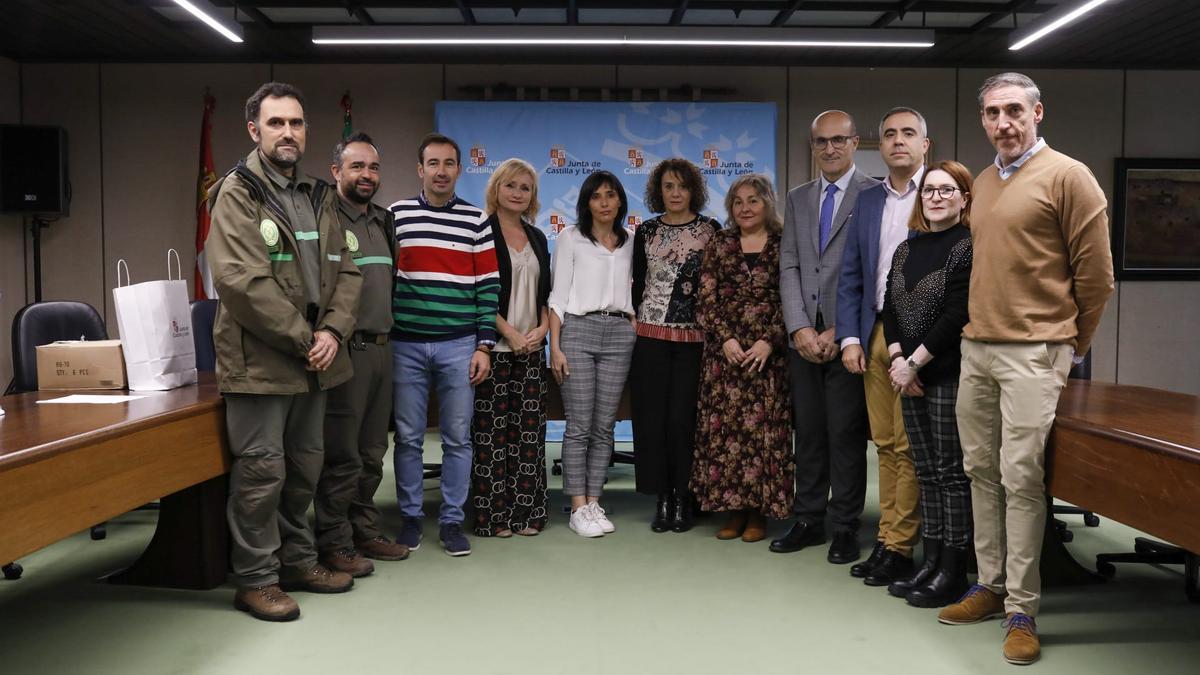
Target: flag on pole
<point x="347" y="122"/>
<point x="203" y="284"/>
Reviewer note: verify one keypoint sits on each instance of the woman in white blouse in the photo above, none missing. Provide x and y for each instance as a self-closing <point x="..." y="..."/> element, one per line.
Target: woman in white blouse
<point x="591" y="340"/>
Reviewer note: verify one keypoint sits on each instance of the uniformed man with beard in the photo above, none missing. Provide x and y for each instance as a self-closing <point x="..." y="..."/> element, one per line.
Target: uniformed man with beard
<point x="356" y="417"/>
<point x="288" y="289"/>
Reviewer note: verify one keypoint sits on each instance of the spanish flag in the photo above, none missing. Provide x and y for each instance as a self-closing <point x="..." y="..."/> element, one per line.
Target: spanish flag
<point x="203" y="284"/>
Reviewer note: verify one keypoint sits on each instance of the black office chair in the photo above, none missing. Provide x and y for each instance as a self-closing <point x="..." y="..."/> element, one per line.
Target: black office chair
<point x="41" y="323"/>
<point x="204" y="315"/>
<point x="1081" y="371"/>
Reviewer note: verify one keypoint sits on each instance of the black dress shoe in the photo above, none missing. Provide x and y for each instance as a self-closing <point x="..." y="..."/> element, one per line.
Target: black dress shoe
<point x="844" y="549"/>
<point x="862" y="569"/>
<point x="681" y="513"/>
<point x="801" y="535"/>
<point x="662" y="513"/>
<point x="893" y="566"/>
<point x="933" y="550"/>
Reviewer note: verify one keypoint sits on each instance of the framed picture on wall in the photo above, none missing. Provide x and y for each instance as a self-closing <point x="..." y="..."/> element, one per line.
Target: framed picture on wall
<point x="867" y="159"/>
<point x="1156" y="219"/>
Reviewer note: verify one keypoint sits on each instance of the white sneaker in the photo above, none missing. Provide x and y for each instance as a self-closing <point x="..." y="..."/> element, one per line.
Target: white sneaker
<point x="598" y="514"/>
<point x="584" y="524"/>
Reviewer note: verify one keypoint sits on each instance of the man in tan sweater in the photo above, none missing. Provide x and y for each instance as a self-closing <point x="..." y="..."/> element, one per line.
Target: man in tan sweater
<point x="1042" y="273"/>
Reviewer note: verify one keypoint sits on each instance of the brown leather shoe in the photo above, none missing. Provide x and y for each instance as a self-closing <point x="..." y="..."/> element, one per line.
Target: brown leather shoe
<point x="382" y="548"/>
<point x="756" y="528"/>
<point x="977" y="604"/>
<point x="319" y="579"/>
<point x="734" y="526"/>
<point x="268" y="603"/>
<point x="349" y="561"/>
<point x="1021" y="644"/>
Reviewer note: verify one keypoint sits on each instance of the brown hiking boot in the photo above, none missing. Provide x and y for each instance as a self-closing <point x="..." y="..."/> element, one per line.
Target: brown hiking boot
<point x="977" y="604"/>
<point x="382" y="548"/>
<point x="319" y="579"/>
<point x="1021" y="645"/>
<point x="268" y="603"/>
<point x="349" y="561"/>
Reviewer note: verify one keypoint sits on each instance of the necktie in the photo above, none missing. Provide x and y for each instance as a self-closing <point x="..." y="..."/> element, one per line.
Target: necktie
<point x="826" y="221"/>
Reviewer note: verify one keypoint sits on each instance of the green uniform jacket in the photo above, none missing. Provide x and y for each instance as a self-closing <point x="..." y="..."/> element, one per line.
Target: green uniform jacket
<point x="261" y="334"/>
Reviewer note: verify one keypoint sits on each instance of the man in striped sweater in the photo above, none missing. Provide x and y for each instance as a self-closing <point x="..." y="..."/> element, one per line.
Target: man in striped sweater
<point x="444" y="304"/>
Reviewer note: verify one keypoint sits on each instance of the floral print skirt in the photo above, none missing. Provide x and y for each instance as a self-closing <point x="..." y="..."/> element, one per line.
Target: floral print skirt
<point x="744" y="456"/>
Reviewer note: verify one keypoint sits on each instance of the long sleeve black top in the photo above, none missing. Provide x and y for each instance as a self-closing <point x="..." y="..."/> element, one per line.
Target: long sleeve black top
<point x="926" y="299"/>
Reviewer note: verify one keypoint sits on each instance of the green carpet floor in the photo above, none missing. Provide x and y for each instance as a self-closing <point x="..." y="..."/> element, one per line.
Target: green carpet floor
<point x="634" y="602"/>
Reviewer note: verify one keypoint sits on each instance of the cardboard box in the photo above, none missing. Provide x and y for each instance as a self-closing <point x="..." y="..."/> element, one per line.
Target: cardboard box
<point x="81" y="364"/>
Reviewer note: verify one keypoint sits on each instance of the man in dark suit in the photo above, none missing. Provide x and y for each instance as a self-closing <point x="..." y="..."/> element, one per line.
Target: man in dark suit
<point x="879" y="224"/>
<point x="828" y="403"/>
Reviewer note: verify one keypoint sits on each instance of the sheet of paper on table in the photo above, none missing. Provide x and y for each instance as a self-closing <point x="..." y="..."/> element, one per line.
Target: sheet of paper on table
<point x="94" y="398"/>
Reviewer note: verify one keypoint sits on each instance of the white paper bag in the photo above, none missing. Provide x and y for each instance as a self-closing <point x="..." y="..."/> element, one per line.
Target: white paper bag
<point x="156" y="330"/>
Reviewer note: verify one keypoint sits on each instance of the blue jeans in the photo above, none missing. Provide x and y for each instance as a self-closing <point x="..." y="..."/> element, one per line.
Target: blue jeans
<point x="445" y="365"/>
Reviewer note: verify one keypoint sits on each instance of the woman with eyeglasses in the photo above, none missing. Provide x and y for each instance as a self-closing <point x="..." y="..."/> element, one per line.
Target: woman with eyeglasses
<point x="744" y="464"/>
<point x="591" y="340"/>
<point x="924" y="311"/>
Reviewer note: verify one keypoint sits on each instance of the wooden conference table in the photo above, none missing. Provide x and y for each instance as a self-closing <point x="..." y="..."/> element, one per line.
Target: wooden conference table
<point x="1131" y="454"/>
<point x="66" y="467"/>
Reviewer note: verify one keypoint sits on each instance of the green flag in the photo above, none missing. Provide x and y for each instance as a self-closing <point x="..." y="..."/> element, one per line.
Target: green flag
<point x="347" y="121"/>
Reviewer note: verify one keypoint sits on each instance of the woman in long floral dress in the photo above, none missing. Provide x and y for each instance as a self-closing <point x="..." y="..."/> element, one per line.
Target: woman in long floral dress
<point x="743" y="463"/>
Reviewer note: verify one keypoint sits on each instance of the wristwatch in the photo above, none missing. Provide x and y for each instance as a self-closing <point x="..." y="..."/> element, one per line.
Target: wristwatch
<point x="912" y="364"/>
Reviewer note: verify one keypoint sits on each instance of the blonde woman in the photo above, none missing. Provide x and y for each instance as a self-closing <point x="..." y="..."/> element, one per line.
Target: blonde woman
<point x="509" y="436"/>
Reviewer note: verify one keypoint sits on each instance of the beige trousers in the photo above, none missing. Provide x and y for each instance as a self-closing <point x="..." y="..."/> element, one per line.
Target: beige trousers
<point x="899" y="512"/>
<point x="1007" y="396"/>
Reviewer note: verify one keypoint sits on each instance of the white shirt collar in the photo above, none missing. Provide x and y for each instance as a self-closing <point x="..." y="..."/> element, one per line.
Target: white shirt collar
<point x="843" y="183"/>
<point x="1006" y="172"/>
<point x="910" y="186"/>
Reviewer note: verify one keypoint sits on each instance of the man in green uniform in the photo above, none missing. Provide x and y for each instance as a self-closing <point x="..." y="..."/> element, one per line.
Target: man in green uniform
<point x="356" y="416"/>
<point x="288" y="289"/>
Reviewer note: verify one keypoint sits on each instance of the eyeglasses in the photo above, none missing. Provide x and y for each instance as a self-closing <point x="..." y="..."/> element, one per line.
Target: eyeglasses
<point x="837" y="141"/>
<point x="946" y="191"/>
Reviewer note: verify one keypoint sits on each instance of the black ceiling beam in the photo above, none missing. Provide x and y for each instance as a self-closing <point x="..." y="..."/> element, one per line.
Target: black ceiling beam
<point x="784" y="14"/>
<point x="467" y="15"/>
<point x="258" y="16"/>
<point x="359" y="12"/>
<point x="898" y="13"/>
<point x="996" y="17"/>
<point x="572" y="13"/>
<point x="677" y="15"/>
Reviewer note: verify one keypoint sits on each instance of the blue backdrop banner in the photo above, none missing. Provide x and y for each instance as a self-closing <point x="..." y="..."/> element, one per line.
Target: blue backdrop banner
<point x="567" y="141"/>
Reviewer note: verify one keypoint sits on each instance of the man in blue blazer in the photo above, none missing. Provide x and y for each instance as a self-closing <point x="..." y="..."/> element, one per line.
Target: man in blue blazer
<point x="827" y="401"/>
<point x="879" y="224"/>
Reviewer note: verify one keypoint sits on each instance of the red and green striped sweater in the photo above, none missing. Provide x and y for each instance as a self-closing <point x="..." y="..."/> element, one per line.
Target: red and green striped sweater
<point x="447" y="284"/>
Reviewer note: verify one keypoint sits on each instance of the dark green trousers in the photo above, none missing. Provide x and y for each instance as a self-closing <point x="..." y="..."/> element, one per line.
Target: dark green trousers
<point x="356" y="423"/>
<point x="276" y="444"/>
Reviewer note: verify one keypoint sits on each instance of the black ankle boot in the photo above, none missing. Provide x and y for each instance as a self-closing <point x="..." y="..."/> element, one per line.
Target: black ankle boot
<point x="662" y="513"/>
<point x="681" y="512"/>
<point x="933" y="550"/>
<point x="947" y="584"/>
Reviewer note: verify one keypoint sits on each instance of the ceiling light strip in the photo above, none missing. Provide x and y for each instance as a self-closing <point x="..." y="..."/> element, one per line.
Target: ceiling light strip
<point x="206" y="12"/>
<point x="618" y="36"/>
<point x="1024" y="38"/>
<point x="613" y="42"/>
